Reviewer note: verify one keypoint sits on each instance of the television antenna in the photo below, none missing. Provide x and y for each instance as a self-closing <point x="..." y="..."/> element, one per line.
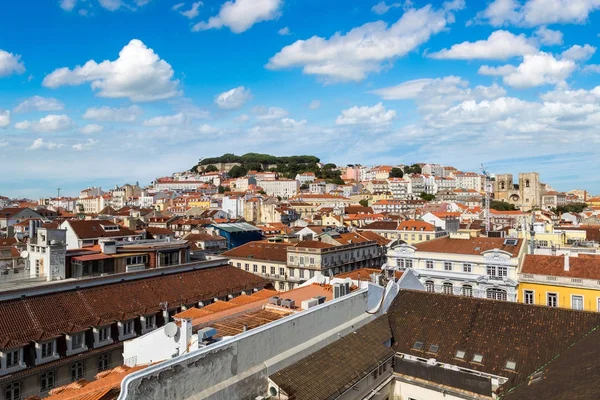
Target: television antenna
<point x="488" y="191"/>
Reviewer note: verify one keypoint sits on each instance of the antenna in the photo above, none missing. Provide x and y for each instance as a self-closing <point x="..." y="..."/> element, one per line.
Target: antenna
<point x="58" y="207"/>
<point x="488" y="190"/>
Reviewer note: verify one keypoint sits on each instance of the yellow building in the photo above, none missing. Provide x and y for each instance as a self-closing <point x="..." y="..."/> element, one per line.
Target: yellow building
<point x="547" y="236"/>
<point x="411" y="231"/>
<point x="199" y="203"/>
<point x="561" y="281"/>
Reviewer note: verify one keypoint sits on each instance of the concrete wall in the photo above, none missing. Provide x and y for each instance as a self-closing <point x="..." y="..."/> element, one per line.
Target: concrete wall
<point x="238" y="368"/>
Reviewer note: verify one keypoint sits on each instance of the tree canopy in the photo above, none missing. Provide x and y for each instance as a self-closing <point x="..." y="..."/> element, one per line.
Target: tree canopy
<point x="413" y="169"/>
<point x="396" y="173"/>
<point x="502" y="206"/>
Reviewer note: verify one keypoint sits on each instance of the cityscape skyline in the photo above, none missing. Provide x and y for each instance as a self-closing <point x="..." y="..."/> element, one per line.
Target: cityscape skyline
<point x="457" y="83"/>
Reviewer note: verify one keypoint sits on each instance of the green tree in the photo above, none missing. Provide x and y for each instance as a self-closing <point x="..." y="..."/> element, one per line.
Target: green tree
<point x="364" y="202"/>
<point x="211" y="168"/>
<point x="221" y="189"/>
<point x="570" y="208"/>
<point x="427" y="196"/>
<point x="396" y="173"/>
<point x="237" y="171"/>
<point x="304" y="186"/>
<point x="502" y="206"/>
<point x="413" y="169"/>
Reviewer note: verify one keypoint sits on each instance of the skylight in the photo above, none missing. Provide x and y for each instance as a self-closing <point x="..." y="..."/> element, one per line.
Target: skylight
<point x="460" y="354"/>
<point x="418" y="346"/>
<point x="511" y="365"/>
<point x="510" y="242"/>
<point x="434" y="348"/>
<point x="477" y="358"/>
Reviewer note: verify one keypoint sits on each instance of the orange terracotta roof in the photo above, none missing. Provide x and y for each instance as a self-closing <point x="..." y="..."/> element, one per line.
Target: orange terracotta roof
<point x="474" y="246"/>
<point x="579" y="267"/>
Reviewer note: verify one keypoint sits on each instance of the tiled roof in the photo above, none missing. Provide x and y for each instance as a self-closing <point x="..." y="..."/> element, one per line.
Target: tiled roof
<point x="381" y="241"/>
<point x="586" y="268"/>
<point x="382" y="225"/>
<point x="159" y="231"/>
<point x="416" y="225"/>
<point x="92" y="229"/>
<point x="500" y="331"/>
<point x="592" y="232"/>
<point x="327" y="373"/>
<point x="264" y="251"/>
<point x="347" y="238"/>
<point x="473" y="246"/>
<point x="26" y="320"/>
<point x="358" y="210"/>
<point x="363" y="274"/>
<point x="313" y="244"/>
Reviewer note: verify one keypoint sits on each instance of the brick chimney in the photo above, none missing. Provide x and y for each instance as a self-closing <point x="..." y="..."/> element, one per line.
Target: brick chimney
<point x="567" y="268"/>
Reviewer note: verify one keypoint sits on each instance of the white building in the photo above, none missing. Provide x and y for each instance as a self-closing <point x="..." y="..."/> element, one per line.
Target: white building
<point x="469" y="180"/>
<point x="284" y="188"/>
<point x="305" y="177"/>
<point x="46" y="253"/>
<point x="400" y="188"/>
<point x="433" y="169"/>
<point x="234" y="205"/>
<point x="464" y="265"/>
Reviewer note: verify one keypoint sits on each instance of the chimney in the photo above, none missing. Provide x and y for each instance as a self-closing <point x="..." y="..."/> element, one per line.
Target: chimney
<point x="185" y="337"/>
<point x="567" y="262"/>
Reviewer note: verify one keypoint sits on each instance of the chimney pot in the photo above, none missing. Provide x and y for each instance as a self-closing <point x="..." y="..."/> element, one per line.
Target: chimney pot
<point x="567" y="267"/>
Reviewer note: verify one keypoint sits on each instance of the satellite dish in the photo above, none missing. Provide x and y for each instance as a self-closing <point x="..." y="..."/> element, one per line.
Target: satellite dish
<point x="24" y="254"/>
<point x="171" y="329"/>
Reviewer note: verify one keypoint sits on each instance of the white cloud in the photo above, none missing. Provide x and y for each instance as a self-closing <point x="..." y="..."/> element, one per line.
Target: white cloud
<point x="592" y="68"/>
<point x="68" y="5"/>
<point x="233" y="99"/>
<point x="240" y="15"/>
<point x="207" y="129"/>
<point x="242" y="118"/>
<point x="284" y="31"/>
<point x="500" y="45"/>
<point x="535" y="70"/>
<point x="177" y="6"/>
<point x="105" y="113"/>
<point x="315" y="104"/>
<point x="39" y="103"/>
<point x="3" y="144"/>
<point x="549" y="37"/>
<point x="91" y="129"/>
<point x="192" y="12"/>
<point x="39" y="144"/>
<point x="4" y="118"/>
<point x="363" y="50"/>
<point x="111" y="5"/>
<point x="381" y="8"/>
<point x="85" y="146"/>
<point x="375" y="115"/>
<point x="49" y="123"/>
<point x="537" y="12"/>
<point x="138" y="74"/>
<point x="269" y="113"/>
<point x="177" y="119"/>
<point x="10" y="64"/>
<point x="578" y="53"/>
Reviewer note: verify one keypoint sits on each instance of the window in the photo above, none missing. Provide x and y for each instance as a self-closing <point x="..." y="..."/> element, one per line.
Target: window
<point x="491" y="270"/>
<point x="528" y="296"/>
<point x="103" y="362"/>
<point x="447" y="266"/>
<point x="150" y="321"/>
<point x="426" y="237"/>
<point x="77" y="371"/>
<point x="291" y="259"/>
<point x="301" y="273"/>
<point x="511" y="365"/>
<point x="448" y="288"/>
<point x="401" y="263"/>
<point x="460" y="354"/>
<point x="239" y="265"/>
<point x="301" y="260"/>
<point x="311" y="261"/>
<point x="272" y="270"/>
<point x="409" y="263"/>
<point x="247" y="267"/>
<point x="429" y="264"/>
<point x="47" y="349"/>
<point x="281" y="271"/>
<point x="291" y="272"/>
<point x="420" y="237"/>
<point x="103" y="333"/>
<point x="467" y="268"/>
<point x="502" y="271"/>
<point x="478" y="358"/>
<point x="281" y="286"/>
<point x="255" y="268"/>
<point x="433" y="348"/>
<point x="552" y="300"/>
<point x="467" y="290"/>
<point x="13" y="358"/>
<point x="13" y="391"/>
<point x="137" y="260"/>
<point x="418" y="346"/>
<point x="77" y="341"/>
<point x="577" y="302"/>
<point x="429" y="286"/>
<point x="47" y="381"/>
<point x="263" y="269"/>
<point x="496" y="294"/>
<point x="128" y="327"/>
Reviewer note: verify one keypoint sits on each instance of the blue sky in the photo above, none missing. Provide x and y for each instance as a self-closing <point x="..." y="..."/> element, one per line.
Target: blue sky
<point x="103" y="92"/>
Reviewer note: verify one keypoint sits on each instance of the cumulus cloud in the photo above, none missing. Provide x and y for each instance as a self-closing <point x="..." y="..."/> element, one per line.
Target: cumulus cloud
<point x="138" y="74"/>
<point x="269" y="113"/>
<point x="242" y="118"/>
<point x="548" y="37"/>
<point x="192" y="12"/>
<point x="166" y="120"/>
<point x="500" y="45"/>
<point x="284" y="31"/>
<point x="535" y="70"/>
<point x="578" y="53"/>
<point x="3" y="144"/>
<point x="10" y="64"/>
<point x="592" y="68"/>
<point x="39" y="103"/>
<point x="109" y="114"/>
<point x="381" y="8"/>
<point x="206" y="129"/>
<point x="537" y="12"/>
<point x="315" y="104"/>
<point x="4" y="118"/>
<point x="91" y="129"/>
<point x="375" y="115"/>
<point x="49" y="123"/>
<point x="233" y="99"/>
<point x="85" y="146"/>
<point x="39" y="144"/>
<point x="240" y="15"/>
<point x="363" y="50"/>
<point x="68" y="5"/>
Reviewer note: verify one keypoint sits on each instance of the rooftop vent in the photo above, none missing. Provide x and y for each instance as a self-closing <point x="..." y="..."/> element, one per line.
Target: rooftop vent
<point x="460" y="354"/>
<point x="478" y="358"/>
<point x="433" y="348"/>
<point x="418" y="346"/>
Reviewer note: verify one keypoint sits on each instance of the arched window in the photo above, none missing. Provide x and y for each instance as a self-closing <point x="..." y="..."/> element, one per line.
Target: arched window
<point x="448" y="288"/>
<point x="502" y="185"/>
<point x="13" y="391"/>
<point x="77" y="371"/>
<point x="429" y="286"/>
<point x="527" y="183"/>
<point x="496" y="294"/>
<point x="467" y="290"/>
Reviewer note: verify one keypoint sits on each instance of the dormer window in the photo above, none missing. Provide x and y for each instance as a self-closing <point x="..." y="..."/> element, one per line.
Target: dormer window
<point x="12" y="359"/>
<point x="76" y="343"/>
<point x="102" y="336"/>
<point x="148" y="323"/>
<point x="45" y="351"/>
<point x="110" y="228"/>
<point x="126" y="329"/>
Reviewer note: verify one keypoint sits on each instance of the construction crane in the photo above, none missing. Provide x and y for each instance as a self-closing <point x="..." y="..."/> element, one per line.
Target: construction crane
<point x="488" y="200"/>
